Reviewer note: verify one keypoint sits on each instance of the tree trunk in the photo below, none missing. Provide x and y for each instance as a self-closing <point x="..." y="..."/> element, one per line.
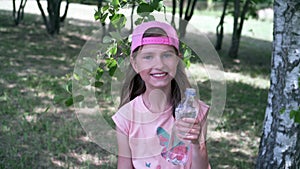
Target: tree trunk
<point x="238" y="27"/>
<point x="189" y="11"/>
<point x="18" y="15"/>
<point x="280" y="141"/>
<point x="43" y="15"/>
<point x="131" y="16"/>
<point x="173" y="12"/>
<point x="220" y="28"/>
<point x="53" y="21"/>
<point x="234" y="39"/>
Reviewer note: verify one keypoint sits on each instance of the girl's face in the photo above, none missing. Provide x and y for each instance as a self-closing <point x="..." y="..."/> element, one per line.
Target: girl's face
<point x="156" y="64"/>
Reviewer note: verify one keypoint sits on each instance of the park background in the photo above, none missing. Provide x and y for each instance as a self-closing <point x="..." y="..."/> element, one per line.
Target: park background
<point x="38" y="131"/>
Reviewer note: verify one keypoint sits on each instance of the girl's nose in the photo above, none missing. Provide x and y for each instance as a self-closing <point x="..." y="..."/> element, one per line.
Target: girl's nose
<point x="159" y="63"/>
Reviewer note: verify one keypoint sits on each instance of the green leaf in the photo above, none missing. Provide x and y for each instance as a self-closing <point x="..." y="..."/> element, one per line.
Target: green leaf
<point x="151" y="18"/>
<point x="115" y="3"/>
<point x="112" y="70"/>
<point x="118" y="20"/>
<point x="107" y="39"/>
<point x="157" y="4"/>
<point x="187" y="62"/>
<point x="113" y="50"/>
<point x="112" y="65"/>
<point x="97" y="15"/>
<point x="187" y="53"/>
<point x="103" y="18"/>
<point x="111" y="11"/>
<point x="76" y="76"/>
<point x="116" y="35"/>
<point x="144" y="9"/>
<point x="139" y="21"/>
<point x="69" y="87"/>
<point x="104" y="8"/>
<point x="78" y="98"/>
<point x="98" y="84"/>
<point x="124" y="3"/>
<point x="99" y="73"/>
<point x="69" y="102"/>
<point x="59" y="99"/>
<point x="85" y="82"/>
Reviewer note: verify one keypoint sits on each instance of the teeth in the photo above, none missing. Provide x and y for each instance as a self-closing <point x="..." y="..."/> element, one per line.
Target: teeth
<point x="159" y="74"/>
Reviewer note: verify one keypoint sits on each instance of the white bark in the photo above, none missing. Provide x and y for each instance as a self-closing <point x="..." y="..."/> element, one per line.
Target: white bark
<point x="280" y="142"/>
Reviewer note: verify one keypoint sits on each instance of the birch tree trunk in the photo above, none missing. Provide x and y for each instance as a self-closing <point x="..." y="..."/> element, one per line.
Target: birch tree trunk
<point x="280" y="141"/>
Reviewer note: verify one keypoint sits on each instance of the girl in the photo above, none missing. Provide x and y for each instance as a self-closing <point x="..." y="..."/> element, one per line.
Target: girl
<point x="152" y="89"/>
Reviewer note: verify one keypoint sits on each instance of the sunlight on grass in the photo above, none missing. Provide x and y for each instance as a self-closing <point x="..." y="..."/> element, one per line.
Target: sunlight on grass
<point x="252" y="27"/>
<point x="199" y="73"/>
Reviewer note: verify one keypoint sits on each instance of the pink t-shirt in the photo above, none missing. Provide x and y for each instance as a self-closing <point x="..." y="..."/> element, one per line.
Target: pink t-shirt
<point x="141" y="128"/>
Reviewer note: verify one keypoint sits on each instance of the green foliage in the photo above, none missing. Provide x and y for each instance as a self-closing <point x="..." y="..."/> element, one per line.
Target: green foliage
<point x="111" y="64"/>
<point x="144" y="9"/>
<point x="187" y="55"/>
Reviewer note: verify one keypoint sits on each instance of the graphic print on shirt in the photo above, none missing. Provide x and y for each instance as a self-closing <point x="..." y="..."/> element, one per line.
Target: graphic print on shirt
<point x="177" y="154"/>
<point x="148" y="165"/>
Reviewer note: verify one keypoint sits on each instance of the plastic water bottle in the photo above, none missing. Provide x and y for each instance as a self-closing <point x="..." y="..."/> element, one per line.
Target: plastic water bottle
<point x="186" y="108"/>
<point x="178" y="149"/>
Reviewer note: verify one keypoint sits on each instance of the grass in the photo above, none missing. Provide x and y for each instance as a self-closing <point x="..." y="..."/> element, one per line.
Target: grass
<point x="38" y="131"/>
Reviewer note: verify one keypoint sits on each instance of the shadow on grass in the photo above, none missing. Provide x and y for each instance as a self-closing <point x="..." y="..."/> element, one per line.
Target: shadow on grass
<point x="36" y="131"/>
<point x="245" y="106"/>
<point x="236" y="142"/>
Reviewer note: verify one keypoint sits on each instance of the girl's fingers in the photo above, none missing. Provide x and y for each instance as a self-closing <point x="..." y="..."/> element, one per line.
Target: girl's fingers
<point x="188" y="129"/>
<point x="189" y="123"/>
<point x="191" y="120"/>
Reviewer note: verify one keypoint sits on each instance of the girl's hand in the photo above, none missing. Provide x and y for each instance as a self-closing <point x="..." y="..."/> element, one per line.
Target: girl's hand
<point x="189" y="129"/>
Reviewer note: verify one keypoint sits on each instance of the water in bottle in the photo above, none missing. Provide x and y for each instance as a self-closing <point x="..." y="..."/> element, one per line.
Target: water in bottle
<point x="178" y="149"/>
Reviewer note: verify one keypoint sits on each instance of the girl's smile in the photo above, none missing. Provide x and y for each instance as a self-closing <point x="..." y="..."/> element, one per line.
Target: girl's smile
<point x="156" y="64"/>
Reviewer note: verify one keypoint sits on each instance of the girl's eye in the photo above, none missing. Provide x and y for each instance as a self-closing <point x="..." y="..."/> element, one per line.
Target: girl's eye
<point x="167" y="55"/>
<point x="147" y="57"/>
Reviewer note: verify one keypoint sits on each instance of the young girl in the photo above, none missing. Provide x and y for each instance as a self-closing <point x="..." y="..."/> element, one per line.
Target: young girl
<point x="154" y="86"/>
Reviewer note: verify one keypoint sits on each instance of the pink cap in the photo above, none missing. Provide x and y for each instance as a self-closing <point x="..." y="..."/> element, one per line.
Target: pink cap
<point x="138" y="32"/>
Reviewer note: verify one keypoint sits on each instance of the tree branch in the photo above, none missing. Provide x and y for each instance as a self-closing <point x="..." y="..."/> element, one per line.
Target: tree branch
<point x="43" y="15"/>
<point x="62" y="19"/>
